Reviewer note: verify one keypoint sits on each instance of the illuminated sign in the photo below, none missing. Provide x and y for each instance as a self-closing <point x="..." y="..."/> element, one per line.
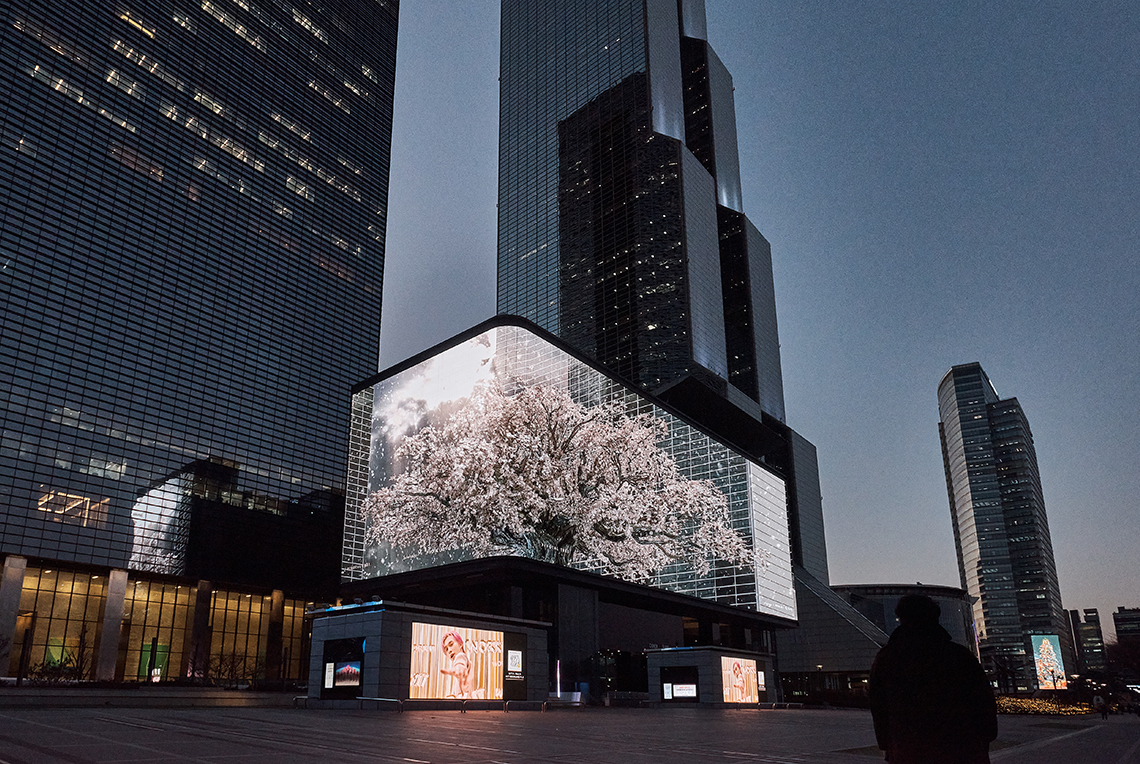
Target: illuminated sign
<point x="514" y="665"/>
<point x="738" y="680"/>
<point x="341" y="660"/>
<point x="346" y="674"/>
<point x="449" y="662"/>
<point x="679" y="684"/>
<point x="1048" y="662"/>
<point x="476" y="398"/>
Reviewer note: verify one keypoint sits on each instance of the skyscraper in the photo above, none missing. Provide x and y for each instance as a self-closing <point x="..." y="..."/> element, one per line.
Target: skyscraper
<point x="191" y="252"/>
<point x="620" y="222"/>
<point x="1005" y="554"/>
<point x="1126" y="621"/>
<point x="621" y="228"/>
<point x="1088" y="641"/>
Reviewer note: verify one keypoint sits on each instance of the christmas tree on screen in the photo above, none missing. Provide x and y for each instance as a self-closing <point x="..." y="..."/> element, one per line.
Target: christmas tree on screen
<point x="1050" y="672"/>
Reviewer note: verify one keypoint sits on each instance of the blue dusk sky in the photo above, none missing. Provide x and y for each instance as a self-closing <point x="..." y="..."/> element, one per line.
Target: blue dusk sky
<point x="941" y="183"/>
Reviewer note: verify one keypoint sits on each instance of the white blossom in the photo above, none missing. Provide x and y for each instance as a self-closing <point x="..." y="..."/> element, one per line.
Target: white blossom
<point x="535" y="474"/>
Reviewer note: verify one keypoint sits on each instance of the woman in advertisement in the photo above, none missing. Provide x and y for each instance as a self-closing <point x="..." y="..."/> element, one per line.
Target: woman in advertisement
<point x="739" y="686"/>
<point x="462" y="678"/>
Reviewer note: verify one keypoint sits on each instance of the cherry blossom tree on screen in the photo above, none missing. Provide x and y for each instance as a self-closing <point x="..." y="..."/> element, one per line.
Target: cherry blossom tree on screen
<point x="535" y="474"/>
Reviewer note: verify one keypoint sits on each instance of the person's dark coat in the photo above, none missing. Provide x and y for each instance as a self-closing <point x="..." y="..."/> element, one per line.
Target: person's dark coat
<point x="930" y="700"/>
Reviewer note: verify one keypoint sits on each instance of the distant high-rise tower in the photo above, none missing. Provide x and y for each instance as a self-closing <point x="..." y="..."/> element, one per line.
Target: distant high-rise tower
<point x="1126" y="621"/>
<point x="1088" y="641"/>
<point x="621" y="227"/>
<point x="1005" y="555"/>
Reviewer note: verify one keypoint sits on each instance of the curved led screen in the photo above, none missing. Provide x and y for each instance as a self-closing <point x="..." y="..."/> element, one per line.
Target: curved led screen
<point x="506" y="444"/>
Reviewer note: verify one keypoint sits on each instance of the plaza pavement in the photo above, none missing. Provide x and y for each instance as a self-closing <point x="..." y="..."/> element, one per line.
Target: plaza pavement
<point x="565" y="736"/>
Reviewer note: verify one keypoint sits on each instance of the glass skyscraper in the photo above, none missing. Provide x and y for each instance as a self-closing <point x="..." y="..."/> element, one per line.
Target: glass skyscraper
<point x="621" y="228"/>
<point x="620" y="223"/>
<point x="1005" y="554"/>
<point x="192" y="215"/>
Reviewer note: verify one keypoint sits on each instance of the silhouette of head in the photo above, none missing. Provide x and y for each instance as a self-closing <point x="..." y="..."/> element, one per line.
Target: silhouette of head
<point x="917" y="610"/>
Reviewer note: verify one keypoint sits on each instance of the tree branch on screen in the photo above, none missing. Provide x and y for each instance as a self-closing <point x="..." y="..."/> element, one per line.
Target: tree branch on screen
<point x="536" y="474"/>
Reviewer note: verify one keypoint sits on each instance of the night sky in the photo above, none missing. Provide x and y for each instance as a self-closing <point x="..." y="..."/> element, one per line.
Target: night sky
<point x="941" y="183"/>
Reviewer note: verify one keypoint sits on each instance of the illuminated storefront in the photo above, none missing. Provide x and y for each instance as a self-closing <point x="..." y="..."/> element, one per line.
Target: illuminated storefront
<point x="74" y="624"/>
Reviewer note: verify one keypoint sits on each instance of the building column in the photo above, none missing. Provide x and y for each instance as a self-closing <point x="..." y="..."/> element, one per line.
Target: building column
<point x="107" y="654"/>
<point x="201" y="633"/>
<point x="10" y="588"/>
<point x="274" y="642"/>
<point x="577" y="633"/>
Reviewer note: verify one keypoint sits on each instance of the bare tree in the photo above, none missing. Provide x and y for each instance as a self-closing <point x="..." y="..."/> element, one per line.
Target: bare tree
<point x="536" y="474"/>
<point x="73" y="664"/>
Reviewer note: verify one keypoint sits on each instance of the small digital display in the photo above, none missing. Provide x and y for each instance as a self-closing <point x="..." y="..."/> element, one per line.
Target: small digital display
<point x="679" y="684"/>
<point x="346" y="674"/>
<point x="342" y="660"/>
<point x="739" y="680"/>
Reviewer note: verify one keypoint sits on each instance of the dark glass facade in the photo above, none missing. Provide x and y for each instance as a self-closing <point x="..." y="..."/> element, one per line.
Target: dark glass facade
<point x="192" y="215"/>
<point x="191" y="251"/>
<point x="1126" y="620"/>
<point x="620" y="227"/>
<point x="1088" y="641"/>
<point x="1005" y="554"/>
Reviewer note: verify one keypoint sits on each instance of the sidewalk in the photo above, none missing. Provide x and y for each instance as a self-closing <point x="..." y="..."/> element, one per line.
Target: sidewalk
<point x="143" y="696"/>
<point x="564" y="736"/>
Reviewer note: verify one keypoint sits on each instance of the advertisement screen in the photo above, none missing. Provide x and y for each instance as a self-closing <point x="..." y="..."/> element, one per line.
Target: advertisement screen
<point x="1050" y="665"/>
<point x="484" y="399"/>
<point x="738" y="680"/>
<point x="341" y="661"/>
<point x="453" y="663"/>
<point x="346" y="674"/>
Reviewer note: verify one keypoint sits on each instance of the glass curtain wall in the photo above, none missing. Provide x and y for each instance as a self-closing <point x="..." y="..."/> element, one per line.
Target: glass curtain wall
<point x="60" y="624"/>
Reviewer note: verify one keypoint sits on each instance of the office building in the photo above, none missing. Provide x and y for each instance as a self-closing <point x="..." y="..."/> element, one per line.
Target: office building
<point x="621" y="226"/>
<point x="1001" y="533"/>
<point x="191" y="253"/>
<point x="620" y="221"/>
<point x="622" y="231"/>
<point x="877" y="602"/>
<point x="1088" y="641"/>
<point x="1126" y="621"/>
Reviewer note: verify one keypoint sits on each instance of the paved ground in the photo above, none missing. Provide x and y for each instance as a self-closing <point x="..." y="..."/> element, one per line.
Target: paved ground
<point x="566" y="736"/>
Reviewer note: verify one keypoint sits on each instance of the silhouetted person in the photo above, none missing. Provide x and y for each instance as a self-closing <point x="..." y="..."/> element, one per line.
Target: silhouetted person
<point x="930" y="699"/>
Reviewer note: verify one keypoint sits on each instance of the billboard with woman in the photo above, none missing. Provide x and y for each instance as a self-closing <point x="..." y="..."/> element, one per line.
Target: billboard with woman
<point x="738" y="680"/>
<point x="454" y="663"/>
